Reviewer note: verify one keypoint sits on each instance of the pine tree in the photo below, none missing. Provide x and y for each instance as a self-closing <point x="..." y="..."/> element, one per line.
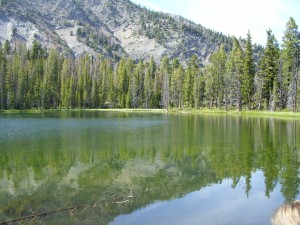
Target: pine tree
<point x="290" y="59"/>
<point x="268" y="70"/>
<point x="95" y="101"/>
<point x="23" y="92"/>
<point x="147" y="87"/>
<point x="189" y="80"/>
<point x="215" y="73"/>
<point x="210" y="83"/>
<point x="235" y="66"/>
<point x="122" y="83"/>
<point x="87" y="82"/>
<point x="176" y="88"/>
<point x="12" y="81"/>
<point x="247" y="80"/>
<point x="229" y="83"/>
<point x="130" y="67"/>
<point x="37" y="73"/>
<point x="105" y="71"/>
<point x="136" y="85"/>
<point x="7" y="48"/>
<point x="65" y="85"/>
<point x="199" y="89"/>
<point x="156" y="84"/>
<point x="3" y="72"/>
<point x="165" y="73"/>
<point x="112" y="89"/>
<point x="196" y="80"/>
<point x="51" y="84"/>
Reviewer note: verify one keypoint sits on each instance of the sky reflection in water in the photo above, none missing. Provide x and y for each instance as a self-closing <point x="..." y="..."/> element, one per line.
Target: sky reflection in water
<point x="219" y="204"/>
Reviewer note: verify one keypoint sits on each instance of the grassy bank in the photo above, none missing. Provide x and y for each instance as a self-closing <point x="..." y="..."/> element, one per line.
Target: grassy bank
<point x="205" y="111"/>
<point x="13" y="111"/>
<point x="235" y="112"/>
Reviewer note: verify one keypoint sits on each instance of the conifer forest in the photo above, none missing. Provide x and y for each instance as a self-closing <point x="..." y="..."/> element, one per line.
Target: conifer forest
<point x="234" y="79"/>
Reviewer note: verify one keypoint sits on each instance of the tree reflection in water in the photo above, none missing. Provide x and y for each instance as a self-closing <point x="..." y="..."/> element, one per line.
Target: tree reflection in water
<point x="82" y="157"/>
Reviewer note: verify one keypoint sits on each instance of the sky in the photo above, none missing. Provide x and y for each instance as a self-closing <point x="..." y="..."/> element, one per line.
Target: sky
<point x="234" y="17"/>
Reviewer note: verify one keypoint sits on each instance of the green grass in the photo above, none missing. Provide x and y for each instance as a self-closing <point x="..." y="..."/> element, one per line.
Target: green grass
<point x="282" y="114"/>
<point x="15" y="111"/>
<point x="129" y="110"/>
<point x="204" y="111"/>
<point x="272" y="114"/>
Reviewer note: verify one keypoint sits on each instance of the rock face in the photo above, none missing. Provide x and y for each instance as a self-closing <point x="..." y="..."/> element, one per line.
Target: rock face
<point x="114" y="28"/>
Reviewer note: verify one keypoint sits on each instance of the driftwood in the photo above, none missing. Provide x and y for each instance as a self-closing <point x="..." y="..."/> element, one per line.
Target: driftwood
<point x="71" y="209"/>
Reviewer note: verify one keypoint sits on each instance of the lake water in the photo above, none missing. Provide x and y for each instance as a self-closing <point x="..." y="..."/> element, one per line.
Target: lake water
<point x="146" y="168"/>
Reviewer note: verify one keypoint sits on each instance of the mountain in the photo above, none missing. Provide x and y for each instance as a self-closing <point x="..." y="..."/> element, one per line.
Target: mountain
<point x="114" y="28"/>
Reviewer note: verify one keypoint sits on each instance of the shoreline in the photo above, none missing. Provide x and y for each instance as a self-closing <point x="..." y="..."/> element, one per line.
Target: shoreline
<point x="190" y="111"/>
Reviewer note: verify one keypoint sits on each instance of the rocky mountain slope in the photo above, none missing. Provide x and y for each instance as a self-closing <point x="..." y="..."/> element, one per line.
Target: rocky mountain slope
<point x="114" y="28"/>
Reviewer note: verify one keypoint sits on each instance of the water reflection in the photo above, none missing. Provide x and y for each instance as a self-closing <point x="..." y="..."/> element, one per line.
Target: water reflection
<point x="56" y="160"/>
<point x="210" y="206"/>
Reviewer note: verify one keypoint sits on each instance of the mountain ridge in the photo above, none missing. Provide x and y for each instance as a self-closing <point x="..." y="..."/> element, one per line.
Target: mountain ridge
<point x="114" y="28"/>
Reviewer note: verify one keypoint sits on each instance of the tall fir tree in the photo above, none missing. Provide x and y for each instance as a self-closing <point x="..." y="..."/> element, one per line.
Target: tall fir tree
<point x="235" y="69"/>
<point x="215" y="73"/>
<point x="51" y="84"/>
<point x="247" y="80"/>
<point x="189" y="79"/>
<point x="122" y="83"/>
<point x="268" y="72"/>
<point x="147" y="87"/>
<point x="2" y="78"/>
<point x="65" y="85"/>
<point x="165" y="74"/>
<point x="290" y="64"/>
<point x="177" y="86"/>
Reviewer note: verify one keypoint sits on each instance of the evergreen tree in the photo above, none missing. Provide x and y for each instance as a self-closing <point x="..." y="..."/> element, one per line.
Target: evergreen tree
<point x="165" y="73"/>
<point x="7" y="48"/>
<point x="65" y="91"/>
<point x="176" y="88"/>
<point x="214" y="78"/>
<point x="215" y="73"/>
<point x="51" y="84"/>
<point x="36" y="51"/>
<point x="37" y="74"/>
<point x="189" y="80"/>
<point x="105" y="71"/>
<point x="197" y="82"/>
<point x="290" y="59"/>
<point x="221" y="70"/>
<point x="122" y="83"/>
<point x="87" y="81"/>
<point x="235" y="67"/>
<point x="22" y="89"/>
<point x="95" y="84"/>
<point x="147" y="87"/>
<point x="229" y="83"/>
<point x="157" y="84"/>
<point x="210" y="83"/>
<point x="268" y="71"/>
<point x="247" y="80"/>
<point x="12" y="81"/>
<point x="130" y="66"/>
<point x="3" y="72"/>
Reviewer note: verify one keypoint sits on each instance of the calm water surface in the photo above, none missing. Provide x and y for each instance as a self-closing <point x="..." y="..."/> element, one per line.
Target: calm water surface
<point x="146" y="168"/>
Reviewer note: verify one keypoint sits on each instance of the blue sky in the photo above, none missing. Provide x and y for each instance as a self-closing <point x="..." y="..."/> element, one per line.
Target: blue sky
<point x="234" y="17"/>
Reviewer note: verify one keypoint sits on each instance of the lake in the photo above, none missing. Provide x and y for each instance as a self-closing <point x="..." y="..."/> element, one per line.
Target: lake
<point x="133" y="168"/>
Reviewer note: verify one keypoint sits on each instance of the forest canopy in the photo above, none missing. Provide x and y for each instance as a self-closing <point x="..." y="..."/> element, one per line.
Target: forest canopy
<point x="38" y="78"/>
